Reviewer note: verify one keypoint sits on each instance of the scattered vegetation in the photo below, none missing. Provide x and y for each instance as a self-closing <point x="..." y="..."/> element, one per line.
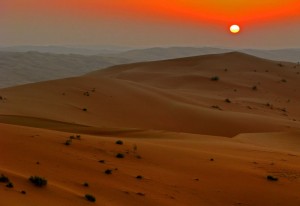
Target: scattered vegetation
<point x="138" y="156"/>
<point x="272" y="178"/>
<point x="4" y="179"/>
<point x="68" y="142"/>
<point x="283" y="80"/>
<point x="86" y="94"/>
<point x="215" y="78"/>
<point x="119" y="142"/>
<point x="38" y="181"/>
<point x="90" y="198"/>
<point x="10" y="185"/>
<point x="120" y="155"/>
<point x="227" y="100"/>
<point x="108" y="172"/>
<point x="72" y="137"/>
<point x="78" y="137"/>
<point x="254" y="88"/>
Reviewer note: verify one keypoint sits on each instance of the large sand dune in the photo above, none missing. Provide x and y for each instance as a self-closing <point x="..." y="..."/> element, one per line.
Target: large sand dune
<point x="196" y="139"/>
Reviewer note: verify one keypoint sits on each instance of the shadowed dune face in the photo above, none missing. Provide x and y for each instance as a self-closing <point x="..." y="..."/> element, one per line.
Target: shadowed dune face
<point x="250" y="95"/>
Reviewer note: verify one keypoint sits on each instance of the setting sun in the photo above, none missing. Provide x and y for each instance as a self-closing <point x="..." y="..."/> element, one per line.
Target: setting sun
<point x="234" y="29"/>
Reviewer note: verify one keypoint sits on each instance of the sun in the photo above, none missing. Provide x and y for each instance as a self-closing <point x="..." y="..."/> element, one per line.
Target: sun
<point x="235" y="29"/>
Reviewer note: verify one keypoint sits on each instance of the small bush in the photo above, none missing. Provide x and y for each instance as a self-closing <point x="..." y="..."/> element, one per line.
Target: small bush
<point x="139" y="177"/>
<point x="90" y="198"/>
<point x="254" y="88"/>
<point x="272" y="178"/>
<point x="86" y="184"/>
<point x="4" y="179"/>
<point x="23" y="192"/>
<point x="280" y="65"/>
<point x="120" y="142"/>
<point x="227" y="100"/>
<point x="102" y="161"/>
<point x="215" y="78"/>
<point x="10" y="185"/>
<point x="283" y="80"/>
<point x="38" y="181"/>
<point x="68" y="142"/>
<point x="108" y="172"/>
<point x="120" y="155"/>
<point x="84" y="109"/>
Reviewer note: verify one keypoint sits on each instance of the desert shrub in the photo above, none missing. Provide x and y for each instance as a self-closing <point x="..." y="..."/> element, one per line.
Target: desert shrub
<point x="139" y="177"/>
<point x="108" y="172"/>
<point x="86" y="184"/>
<point x="68" y="142"/>
<point x="10" y="185"/>
<point x="254" y="88"/>
<point x="227" y="100"/>
<point x="102" y="161"/>
<point x="23" y="192"/>
<point x="86" y="94"/>
<point x="272" y="178"/>
<point x="215" y="78"/>
<point x="4" y="179"/>
<point x="38" y="181"/>
<point x="78" y="137"/>
<point x="90" y="198"/>
<point x="280" y="65"/>
<point x="120" y="142"/>
<point x="120" y="155"/>
<point x="283" y="80"/>
<point x="84" y="109"/>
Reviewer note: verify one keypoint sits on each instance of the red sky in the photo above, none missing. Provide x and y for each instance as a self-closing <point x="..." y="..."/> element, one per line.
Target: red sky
<point x="190" y="15"/>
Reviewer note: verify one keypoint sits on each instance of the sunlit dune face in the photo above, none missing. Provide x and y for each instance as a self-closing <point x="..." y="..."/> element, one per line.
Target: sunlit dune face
<point x="234" y="29"/>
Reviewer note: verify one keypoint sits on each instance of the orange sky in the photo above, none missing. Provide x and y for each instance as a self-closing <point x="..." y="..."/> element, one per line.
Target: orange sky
<point x="209" y="14"/>
<point x="194" y="10"/>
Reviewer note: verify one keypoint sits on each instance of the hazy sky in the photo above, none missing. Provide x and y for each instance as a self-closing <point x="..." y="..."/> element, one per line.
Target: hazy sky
<point x="264" y="23"/>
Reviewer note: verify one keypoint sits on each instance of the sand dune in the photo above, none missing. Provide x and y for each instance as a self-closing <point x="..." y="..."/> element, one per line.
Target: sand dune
<point x="193" y="139"/>
<point x="174" y="95"/>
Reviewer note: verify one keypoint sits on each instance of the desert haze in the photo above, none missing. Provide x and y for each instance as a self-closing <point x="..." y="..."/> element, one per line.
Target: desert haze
<point x="218" y="129"/>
